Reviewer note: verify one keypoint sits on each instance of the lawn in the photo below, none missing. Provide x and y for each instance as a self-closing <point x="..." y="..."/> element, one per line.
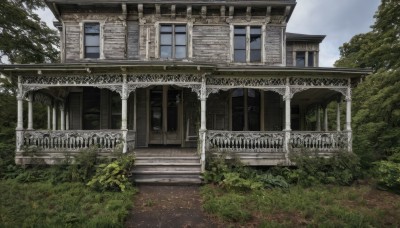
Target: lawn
<point x="42" y="204"/>
<point x="326" y="206"/>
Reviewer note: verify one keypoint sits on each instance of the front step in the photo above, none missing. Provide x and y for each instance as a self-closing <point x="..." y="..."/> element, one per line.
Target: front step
<point x="167" y="170"/>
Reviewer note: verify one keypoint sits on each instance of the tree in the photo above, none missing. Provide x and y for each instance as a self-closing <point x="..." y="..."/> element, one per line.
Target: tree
<point x="23" y="37"/>
<point x="377" y="99"/>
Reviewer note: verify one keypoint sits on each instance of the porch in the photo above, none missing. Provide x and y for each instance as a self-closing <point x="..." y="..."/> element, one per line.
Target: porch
<point x="261" y="115"/>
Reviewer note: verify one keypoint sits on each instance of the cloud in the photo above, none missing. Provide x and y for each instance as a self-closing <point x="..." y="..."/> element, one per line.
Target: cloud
<point x="340" y="20"/>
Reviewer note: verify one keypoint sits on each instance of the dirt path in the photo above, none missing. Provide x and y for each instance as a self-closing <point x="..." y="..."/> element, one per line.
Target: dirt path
<point x="168" y="206"/>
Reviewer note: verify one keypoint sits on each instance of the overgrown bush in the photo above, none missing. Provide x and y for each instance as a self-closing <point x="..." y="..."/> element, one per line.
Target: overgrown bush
<point x="113" y="176"/>
<point x="227" y="171"/>
<point x="342" y="168"/>
<point x="388" y="173"/>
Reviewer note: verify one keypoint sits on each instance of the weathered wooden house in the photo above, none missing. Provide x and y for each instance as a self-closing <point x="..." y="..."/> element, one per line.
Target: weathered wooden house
<point x="217" y="75"/>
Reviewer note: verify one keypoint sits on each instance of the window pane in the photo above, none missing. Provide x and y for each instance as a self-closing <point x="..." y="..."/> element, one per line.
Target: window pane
<point x="92" y="40"/>
<point x="255" y="31"/>
<point x="255" y="56"/>
<point x="92" y="50"/>
<point x="166" y="39"/>
<point x="300" y="59"/>
<point x="156" y="109"/>
<point x="166" y="28"/>
<point x="311" y="59"/>
<point x="240" y="56"/>
<point x="180" y="39"/>
<point x="92" y="55"/>
<point x="166" y="51"/>
<point x="92" y="28"/>
<point x="180" y="28"/>
<point x="240" y="42"/>
<point x="255" y="42"/>
<point x="172" y="115"/>
<point x="240" y="30"/>
<point x="180" y="52"/>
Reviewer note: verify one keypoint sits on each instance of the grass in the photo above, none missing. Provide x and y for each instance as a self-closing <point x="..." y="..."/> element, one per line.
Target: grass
<point x="326" y="206"/>
<point x="42" y="204"/>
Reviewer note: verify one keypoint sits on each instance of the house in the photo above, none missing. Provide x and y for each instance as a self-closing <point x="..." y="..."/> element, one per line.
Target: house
<point x="213" y="75"/>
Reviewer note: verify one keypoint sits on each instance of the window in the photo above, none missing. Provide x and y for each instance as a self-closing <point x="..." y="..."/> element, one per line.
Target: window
<point x="301" y="59"/>
<point x="173" y="41"/>
<point x="92" y="40"/>
<point x="242" y="44"/>
<point x="245" y="110"/>
<point x="116" y="105"/>
<point x="91" y="109"/>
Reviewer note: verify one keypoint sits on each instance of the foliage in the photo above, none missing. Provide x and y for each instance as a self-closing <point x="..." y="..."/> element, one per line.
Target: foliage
<point x="23" y="37"/>
<point x="388" y="172"/>
<point x="376" y="100"/>
<point x="113" y="176"/>
<point x="63" y="205"/>
<point x="317" y="206"/>
<point x="227" y="171"/>
<point x="342" y="168"/>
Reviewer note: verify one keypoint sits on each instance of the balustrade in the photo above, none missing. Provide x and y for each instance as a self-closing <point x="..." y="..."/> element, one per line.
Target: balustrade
<point x="105" y="140"/>
<point x="249" y="141"/>
<point x="321" y="141"/>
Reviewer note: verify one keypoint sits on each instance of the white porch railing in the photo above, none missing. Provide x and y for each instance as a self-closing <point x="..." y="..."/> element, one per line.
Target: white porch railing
<point x="245" y="141"/>
<point x="321" y="141"/>
<point x="74" y="140"/>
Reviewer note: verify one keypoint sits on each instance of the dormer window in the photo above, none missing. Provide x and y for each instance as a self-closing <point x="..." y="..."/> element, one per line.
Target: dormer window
<point x="247" y="44"/>
<point x="305" y="59"/>
<point x="92" y="40"/>
<point x="173" y="41"/>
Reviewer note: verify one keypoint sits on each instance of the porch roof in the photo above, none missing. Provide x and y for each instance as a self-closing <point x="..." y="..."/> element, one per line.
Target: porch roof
<point x="157" y="66"/>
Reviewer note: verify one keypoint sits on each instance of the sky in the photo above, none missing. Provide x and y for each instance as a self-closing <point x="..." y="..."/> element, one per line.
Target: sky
<point x="339" y="20"/>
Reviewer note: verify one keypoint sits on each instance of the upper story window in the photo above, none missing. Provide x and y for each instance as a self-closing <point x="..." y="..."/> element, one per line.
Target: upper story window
<point x="92" y="40"/>
<point x="173" y="41"/>
<point x="301" y="59"/>
<point x="247" y="44"/>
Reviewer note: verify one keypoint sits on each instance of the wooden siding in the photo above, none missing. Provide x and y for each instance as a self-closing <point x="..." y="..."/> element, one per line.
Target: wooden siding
<point x="75" y="111"/>
<point x="133" y="40"/>
<point x="114" y="40"/>
<point x="141" y="105"/>
<point x="72" y="41"/>
<point x="273" y="45"/>
<point x="211" y="43"/>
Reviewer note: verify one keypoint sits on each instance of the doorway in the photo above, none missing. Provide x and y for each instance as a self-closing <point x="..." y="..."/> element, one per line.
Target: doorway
<point x="165" y="110"/>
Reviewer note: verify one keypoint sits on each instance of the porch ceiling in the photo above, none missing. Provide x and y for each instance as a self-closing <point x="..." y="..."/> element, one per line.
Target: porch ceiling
<point x="314" y="96"/>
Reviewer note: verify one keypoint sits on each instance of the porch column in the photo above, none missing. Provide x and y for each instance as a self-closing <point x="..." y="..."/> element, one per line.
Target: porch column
<point x="348" y="117"/>
<point x="338" y="114"/>
<point x="62" y="117"/>
<point x="48" y="117"/>
<point x="124" y="114"/>
<point x="287" y="130"/>
<point x="67" y="120"/>
<point x="54" y="116"/>
<point x="20" y="117"/>
<point x="203" y="127"/>
<point x="318" y="128"/>
<point x="30" y="111"/>
<point x="325" y="118"/>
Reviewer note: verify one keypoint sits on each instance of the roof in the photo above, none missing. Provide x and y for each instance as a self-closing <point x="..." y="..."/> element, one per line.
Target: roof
<point x="154" y="66"/>
<point x="304" y="37"/>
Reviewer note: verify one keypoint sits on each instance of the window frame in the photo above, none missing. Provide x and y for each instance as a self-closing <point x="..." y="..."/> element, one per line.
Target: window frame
<point x="82" y="39"/>
<point x="85" y="35"/>
<point x="173" y="45"/>
<point x="245" y="109"/>
<point x="249" y="49"/>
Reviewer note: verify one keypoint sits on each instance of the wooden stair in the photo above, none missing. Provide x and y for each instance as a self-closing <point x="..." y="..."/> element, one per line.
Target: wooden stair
<point x="153" y="168"/>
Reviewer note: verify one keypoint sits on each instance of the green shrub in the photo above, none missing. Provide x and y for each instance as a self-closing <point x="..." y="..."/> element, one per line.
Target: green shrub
<point x="113" y="176"/>
<point x="233" y="181"/>
<point x="216" y="168"/>
<point x="388" y="173"/>
<point x="342" y="168"/>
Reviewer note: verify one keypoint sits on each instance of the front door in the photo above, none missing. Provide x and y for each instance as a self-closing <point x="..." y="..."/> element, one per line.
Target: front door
<point x="165" y="105"/>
